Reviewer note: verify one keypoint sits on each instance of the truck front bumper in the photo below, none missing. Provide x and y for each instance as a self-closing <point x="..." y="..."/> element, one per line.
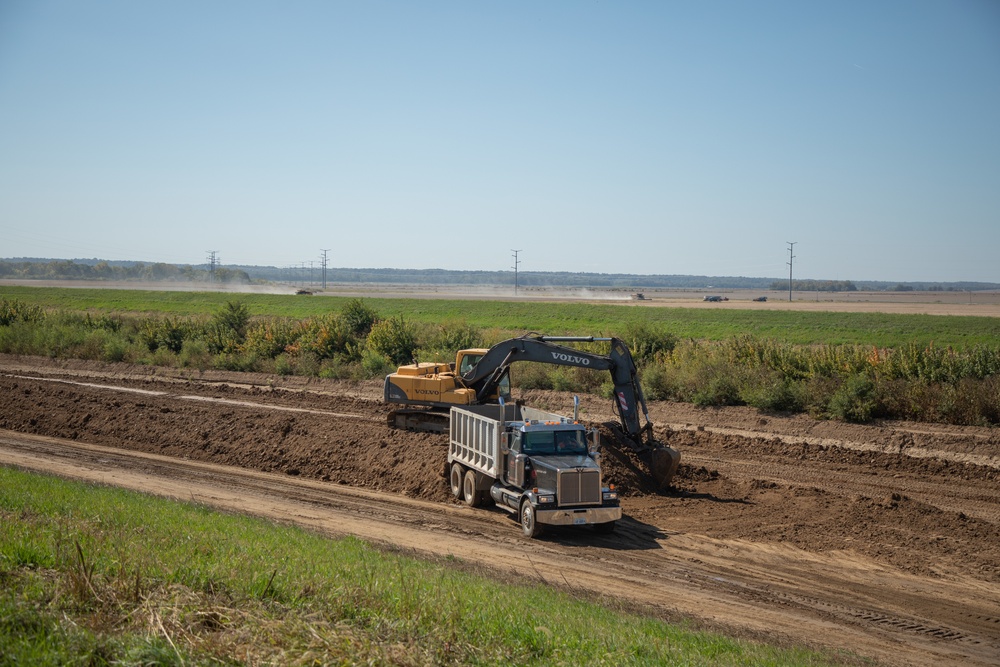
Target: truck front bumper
<point x="578" y="517"/>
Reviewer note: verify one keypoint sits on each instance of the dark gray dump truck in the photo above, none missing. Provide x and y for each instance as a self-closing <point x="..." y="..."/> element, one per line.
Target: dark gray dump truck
<point x="543" y="467"/>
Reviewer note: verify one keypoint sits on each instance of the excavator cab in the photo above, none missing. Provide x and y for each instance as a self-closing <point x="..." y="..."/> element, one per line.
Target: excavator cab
<point x="467" y="360"/>
<point x="465" y="363"/>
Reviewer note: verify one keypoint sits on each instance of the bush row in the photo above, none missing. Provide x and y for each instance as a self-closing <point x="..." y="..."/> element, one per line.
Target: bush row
<point x="849" y="382"/>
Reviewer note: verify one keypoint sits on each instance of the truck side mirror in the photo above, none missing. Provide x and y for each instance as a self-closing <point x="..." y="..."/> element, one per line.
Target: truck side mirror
<point x="594" y="438"/>
<point x="504" y="444"/>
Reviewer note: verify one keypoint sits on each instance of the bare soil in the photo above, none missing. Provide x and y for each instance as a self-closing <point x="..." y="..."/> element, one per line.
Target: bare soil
<point x="882" y="540"/>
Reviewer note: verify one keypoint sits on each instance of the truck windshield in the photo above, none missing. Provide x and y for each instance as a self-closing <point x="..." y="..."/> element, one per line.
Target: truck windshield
<point x="554" y="442"/>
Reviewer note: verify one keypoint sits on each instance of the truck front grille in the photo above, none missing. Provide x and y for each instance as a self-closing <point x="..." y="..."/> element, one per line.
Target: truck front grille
<point x="579" y="487"/>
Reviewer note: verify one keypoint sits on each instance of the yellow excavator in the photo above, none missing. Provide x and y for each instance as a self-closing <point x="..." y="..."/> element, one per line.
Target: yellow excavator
<point x="426" y="391"/>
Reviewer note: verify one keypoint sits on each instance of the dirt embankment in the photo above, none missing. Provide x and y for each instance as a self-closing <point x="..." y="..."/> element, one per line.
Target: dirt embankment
<point x="852" y="506"/>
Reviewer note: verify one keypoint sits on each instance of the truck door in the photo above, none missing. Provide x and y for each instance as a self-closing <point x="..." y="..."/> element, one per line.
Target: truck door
<point x="514" y="465"/>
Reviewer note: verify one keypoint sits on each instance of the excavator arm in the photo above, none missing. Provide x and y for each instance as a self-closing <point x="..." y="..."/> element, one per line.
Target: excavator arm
<point x="629" y="400"/>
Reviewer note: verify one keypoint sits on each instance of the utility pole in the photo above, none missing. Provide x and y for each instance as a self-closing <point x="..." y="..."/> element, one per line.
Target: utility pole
<point x="324" y="251"/>
<point x="213" y="261"/>
<point x="516" y="262"/>
<point x="791" y="245"/>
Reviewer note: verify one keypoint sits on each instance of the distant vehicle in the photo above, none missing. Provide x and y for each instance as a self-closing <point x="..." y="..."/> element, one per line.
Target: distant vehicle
<point x="761" y="298"/>
<point x="639" y="296"/>
<point x="715" y="298"/>
<point x="303" y="291"/>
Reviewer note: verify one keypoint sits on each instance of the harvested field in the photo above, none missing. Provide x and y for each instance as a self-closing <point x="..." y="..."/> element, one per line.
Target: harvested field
<point x="878" y="539"/>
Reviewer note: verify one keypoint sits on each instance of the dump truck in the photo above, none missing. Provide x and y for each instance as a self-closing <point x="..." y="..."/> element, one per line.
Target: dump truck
<point x="425" y="392"/>
<point x="542" y="467"/>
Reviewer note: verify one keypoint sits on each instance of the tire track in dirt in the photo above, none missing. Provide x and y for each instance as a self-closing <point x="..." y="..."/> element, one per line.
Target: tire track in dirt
<point x="206" y="399"/>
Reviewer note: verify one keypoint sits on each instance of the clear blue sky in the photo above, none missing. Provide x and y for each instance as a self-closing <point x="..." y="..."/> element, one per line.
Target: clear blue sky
<point x="693" y="137"/>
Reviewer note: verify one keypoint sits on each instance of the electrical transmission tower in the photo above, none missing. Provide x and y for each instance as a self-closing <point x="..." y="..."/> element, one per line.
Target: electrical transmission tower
<point x="791" y="257"/>
<point x="516" y="262"/>
<point x="324" y="251"/>
<point x="213" y="261"/>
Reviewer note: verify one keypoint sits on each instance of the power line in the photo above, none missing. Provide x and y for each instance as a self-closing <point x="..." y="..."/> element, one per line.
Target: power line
<point x="213" y="261"/>
<point x="324" y="251"/>
<point x="516" y="262"/>
<point x="791" y="245"/>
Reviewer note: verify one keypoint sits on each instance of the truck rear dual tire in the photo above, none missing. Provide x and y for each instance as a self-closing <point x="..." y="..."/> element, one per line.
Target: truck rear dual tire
<point x="473" y="496"/>
<point x="455" y="479"/>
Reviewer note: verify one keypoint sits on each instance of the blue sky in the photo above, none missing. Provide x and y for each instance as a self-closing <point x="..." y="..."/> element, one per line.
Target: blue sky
<point x="620" y="137"/>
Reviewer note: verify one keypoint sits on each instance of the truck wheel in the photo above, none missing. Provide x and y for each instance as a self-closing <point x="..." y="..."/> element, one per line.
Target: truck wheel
<point x="604" y="528"/>
<point x="471" y="493"/>
<point x="456" y="480"/>
<point x="529" y="525"/>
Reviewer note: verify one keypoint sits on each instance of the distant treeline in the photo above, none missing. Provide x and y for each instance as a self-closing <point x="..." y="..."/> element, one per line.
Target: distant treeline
<point x="96" y="269"/>
<point x="124" y="271"/>
<point x="816" y="285"/>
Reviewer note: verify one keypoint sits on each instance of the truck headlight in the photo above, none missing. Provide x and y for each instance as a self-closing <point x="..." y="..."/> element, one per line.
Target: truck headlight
<point x="610" y="495"/>
<point x="545" y="500"/>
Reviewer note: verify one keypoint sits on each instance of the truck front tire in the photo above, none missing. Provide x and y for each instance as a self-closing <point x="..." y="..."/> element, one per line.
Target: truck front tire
<point x="472" y="496"/>
<point x="529" y="524"/>
<point x="456" y="480"/>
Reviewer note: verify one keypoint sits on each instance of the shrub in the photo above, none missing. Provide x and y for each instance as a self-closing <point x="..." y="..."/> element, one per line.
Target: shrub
<point x="719" y="389"/>
<point x="394" y="339"/>
<point x="455" y="336"/>
<point x="374" y="365"/>
<point x="773" y="393"/>
<point x="115" y="349"/>
<point x="328" y="337"/>
<point x="656" y="384"/>
<point x="15" y="310"/>
<point x="531" y="375"/>
<point x="157" y="333"/>
<point x="269" y="338"/>
<point x="195" y="354"/>
<point x="646" y="341"/>
<point x="855" y="400"/>
<point x="234" y="317"/>
<point x="358" y="317"/>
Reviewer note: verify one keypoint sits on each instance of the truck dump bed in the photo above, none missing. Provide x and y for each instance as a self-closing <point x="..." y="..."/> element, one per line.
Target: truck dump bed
<point x="475" y="432"/>
<point x="475" y="436"/>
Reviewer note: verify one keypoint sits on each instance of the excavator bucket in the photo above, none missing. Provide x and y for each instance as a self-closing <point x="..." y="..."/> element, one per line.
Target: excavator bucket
<point x="663" y="462"/>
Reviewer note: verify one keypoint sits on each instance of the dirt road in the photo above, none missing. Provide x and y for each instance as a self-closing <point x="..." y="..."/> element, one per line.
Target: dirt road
<point x="881" y="540"/>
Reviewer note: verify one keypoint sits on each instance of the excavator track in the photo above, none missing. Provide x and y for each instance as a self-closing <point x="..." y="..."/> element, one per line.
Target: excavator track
<point x="415" y="419"/>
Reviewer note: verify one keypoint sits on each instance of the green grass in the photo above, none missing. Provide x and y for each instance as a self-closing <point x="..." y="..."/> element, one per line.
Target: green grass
<point x="805" y="328"/>
<point x="98" y="576"/>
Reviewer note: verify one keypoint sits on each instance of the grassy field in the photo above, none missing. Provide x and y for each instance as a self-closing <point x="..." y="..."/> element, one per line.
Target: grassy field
<point x="100" y="576"/>
<point x="802" y="328"/>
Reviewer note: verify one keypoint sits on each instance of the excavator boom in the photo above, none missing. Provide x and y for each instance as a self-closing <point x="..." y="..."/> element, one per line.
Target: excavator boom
<point x="629" y="400"/>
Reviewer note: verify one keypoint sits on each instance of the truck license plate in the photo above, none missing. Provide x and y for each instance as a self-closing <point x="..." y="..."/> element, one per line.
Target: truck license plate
<point x="580" y="521"/>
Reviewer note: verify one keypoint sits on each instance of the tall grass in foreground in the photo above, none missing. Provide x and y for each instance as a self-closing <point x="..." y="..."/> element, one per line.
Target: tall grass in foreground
<point x="102" y="576"/>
